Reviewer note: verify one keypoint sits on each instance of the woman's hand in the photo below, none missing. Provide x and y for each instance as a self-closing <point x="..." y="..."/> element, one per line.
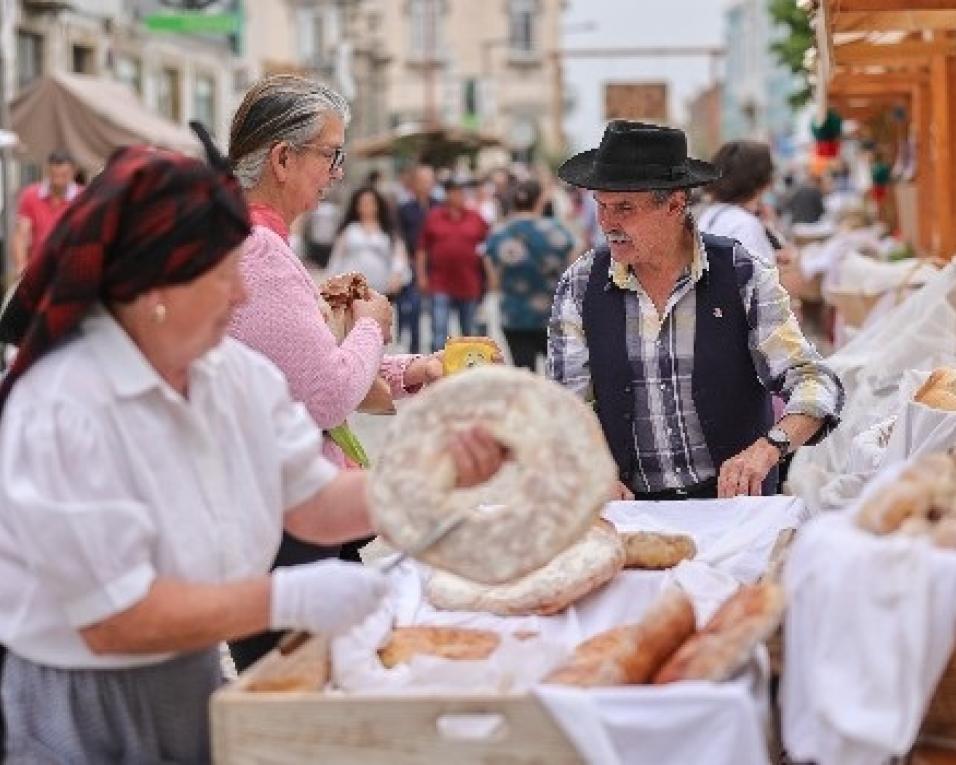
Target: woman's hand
<point x="425" y="370"/>
<point x="476" y="454"/>
<point x="378" y="308"/>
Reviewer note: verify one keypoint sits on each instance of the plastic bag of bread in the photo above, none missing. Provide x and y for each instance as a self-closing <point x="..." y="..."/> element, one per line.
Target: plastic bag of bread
<point x="336" y="297"/>
<point x="631" y="653"/>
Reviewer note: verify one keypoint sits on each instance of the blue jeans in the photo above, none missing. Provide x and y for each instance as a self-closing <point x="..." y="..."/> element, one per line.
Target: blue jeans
<point x="441" y="309"/>
<point x="409" y="303"/>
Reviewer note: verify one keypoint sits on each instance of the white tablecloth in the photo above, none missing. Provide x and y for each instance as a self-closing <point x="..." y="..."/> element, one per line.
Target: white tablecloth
<point x="870" y="626"/>
<point x="643" y="725"/>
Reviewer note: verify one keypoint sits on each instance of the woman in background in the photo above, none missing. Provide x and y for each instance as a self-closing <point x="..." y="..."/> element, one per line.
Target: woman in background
<point x="736" y="208"/>
<point x="367" y="243"/>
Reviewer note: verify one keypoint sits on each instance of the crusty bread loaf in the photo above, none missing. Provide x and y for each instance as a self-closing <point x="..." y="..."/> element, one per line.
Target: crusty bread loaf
<point x="631" y="653"/>
<point x="922" y="495"/>
<point x="885" y="511"/>
<point x="939" y="390"/>
<point x="572" y="574"/>
<point x="716" y="652"/>
<point x="646" y="549"/>
<point x="547" y="493"/>
<point x="444" y="642"/>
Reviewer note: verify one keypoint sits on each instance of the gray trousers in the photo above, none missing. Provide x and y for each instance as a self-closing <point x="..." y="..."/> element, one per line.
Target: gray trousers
<point x="142" y="716"/>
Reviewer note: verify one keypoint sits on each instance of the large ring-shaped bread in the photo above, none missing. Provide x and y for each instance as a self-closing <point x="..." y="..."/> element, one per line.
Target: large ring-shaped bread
<point x="548" y="492"/>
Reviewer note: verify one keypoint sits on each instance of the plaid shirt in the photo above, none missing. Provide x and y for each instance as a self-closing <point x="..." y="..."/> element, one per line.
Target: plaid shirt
<point x="668" y="438"/>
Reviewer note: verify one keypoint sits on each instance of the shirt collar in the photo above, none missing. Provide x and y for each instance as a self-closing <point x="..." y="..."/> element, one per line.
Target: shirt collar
<point x="71" y="191"/>
<point x="624" y="278"/>
<point x="124" y="364"/>
<point x="263" y="215"/>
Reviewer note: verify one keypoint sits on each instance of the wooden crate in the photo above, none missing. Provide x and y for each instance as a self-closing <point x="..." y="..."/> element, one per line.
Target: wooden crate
<point x="305" y="726"/>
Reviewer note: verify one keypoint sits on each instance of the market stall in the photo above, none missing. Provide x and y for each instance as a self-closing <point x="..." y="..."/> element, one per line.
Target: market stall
<point x="880" y="57"/>
<point x="434" y="709"/>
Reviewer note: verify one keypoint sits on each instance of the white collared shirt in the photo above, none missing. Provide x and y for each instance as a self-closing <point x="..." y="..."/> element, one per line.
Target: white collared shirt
<point x="109" y="478"/>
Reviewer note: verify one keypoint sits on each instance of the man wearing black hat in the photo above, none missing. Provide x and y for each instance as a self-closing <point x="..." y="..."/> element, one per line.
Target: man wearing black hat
<point x="678" y="337"/>
<point x="41" y="205"/>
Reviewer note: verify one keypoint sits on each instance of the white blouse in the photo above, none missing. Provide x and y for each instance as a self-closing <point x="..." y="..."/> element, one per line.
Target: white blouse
<point x="372" y="254"/>
<point x="734" y="222"/>
<point x="109" y="478"/>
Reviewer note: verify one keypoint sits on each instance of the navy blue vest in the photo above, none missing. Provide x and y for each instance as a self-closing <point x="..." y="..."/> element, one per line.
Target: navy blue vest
<point x="733" y="406"/>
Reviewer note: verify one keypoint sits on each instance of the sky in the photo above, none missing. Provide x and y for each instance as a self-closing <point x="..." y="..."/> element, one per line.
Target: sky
<point x="634" y="23"/>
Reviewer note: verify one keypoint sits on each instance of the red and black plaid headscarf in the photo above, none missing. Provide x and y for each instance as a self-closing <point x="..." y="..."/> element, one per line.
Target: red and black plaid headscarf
<point x="151" y="219"/>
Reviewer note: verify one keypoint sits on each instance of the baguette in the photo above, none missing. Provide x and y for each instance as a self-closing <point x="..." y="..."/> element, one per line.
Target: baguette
<point x="720" y="649"/>
<point x="631" y="653"/>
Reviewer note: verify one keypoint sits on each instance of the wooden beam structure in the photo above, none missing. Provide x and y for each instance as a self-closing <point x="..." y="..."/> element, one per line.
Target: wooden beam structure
<point x="870" y="53"/>
<point x="894" y="21"/>
<point x="868" y="76"/>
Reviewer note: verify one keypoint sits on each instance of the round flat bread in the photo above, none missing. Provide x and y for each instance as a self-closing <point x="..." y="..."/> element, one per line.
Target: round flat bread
<point x="545" y="496"/>
<point x="574" y="573"/>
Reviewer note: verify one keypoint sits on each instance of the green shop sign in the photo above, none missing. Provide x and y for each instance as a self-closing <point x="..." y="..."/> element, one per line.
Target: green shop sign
<point x="185" y="22"/>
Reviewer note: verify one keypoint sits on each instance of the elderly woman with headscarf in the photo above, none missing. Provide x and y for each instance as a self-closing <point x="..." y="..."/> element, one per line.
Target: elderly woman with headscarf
<point x="147" y="469"/>
<point x="286" y="148"/>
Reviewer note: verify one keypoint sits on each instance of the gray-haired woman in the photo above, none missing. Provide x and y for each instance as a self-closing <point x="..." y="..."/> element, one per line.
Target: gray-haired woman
<point x="286" y="148"/>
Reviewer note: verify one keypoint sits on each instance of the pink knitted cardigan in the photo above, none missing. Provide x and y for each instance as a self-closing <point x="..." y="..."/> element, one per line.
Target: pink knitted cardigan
<point x="281" y="320"/>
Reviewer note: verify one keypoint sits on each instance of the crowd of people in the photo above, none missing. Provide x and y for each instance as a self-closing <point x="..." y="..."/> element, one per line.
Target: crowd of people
<point x="174" y="424"/>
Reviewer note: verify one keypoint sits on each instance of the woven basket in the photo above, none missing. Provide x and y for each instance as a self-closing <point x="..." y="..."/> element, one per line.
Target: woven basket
<point x="852" y="306"/>
<point x="940" y="719"/>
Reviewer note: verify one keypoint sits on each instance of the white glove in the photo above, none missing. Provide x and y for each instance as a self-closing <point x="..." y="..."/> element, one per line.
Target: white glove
<point x="329" y="596"/>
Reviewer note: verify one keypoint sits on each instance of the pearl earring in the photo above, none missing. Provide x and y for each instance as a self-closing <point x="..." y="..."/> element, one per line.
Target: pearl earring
<point x="159" y="313"/>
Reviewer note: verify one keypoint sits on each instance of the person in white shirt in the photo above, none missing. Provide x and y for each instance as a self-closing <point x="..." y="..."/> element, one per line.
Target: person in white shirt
<point x="736" y="210"/>
<point x="368" y="243"/>
<point x="147" y="469"/>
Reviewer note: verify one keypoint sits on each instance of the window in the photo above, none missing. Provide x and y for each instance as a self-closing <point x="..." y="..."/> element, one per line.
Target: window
<point x="423" y="16"/>
<point x="168" y="101"/>
<point x="84" y="59"/>
<point x="204" y="101"/>
<point x="29" y="60"/>
<point x="521" y="25"/>
<point x="129" y="71"/>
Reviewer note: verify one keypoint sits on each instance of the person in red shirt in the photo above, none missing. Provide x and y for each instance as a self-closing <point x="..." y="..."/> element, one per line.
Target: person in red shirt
<point x="447" y="263"/>
<point x="41" y="205"/>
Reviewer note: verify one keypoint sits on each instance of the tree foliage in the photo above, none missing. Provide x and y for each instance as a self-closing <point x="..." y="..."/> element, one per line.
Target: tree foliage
<point x="792" y="47"/>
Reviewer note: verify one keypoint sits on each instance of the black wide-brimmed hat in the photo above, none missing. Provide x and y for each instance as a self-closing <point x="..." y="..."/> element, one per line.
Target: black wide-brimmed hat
<point x="636" y="156"/>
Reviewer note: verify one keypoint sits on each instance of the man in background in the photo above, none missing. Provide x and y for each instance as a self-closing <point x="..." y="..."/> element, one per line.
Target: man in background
<point x="411" y="218"/>
<point x="447" y="262"/>
<point x="41" y="205"/>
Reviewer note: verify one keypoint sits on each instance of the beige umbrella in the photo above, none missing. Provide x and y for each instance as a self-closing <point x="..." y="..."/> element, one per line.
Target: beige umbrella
<point x="90" y="117"/>
<point x="436" y="145"/>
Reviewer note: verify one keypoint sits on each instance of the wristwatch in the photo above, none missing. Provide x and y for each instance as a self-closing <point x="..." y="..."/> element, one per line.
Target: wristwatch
<point x="778" y="437"/>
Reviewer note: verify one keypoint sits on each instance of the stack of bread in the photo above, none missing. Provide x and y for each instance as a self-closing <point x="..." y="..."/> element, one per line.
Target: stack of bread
<point x="921" y="501"/>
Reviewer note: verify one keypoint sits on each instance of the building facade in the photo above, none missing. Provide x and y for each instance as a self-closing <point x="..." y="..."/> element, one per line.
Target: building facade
<point x="756" y="86"/>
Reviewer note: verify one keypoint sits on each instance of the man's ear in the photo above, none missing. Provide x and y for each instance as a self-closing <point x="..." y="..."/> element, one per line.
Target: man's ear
<point x="678" y="202"/>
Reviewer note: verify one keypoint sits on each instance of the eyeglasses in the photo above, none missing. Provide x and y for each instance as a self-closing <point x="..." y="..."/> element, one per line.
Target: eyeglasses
<point x="336" y="155"/>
